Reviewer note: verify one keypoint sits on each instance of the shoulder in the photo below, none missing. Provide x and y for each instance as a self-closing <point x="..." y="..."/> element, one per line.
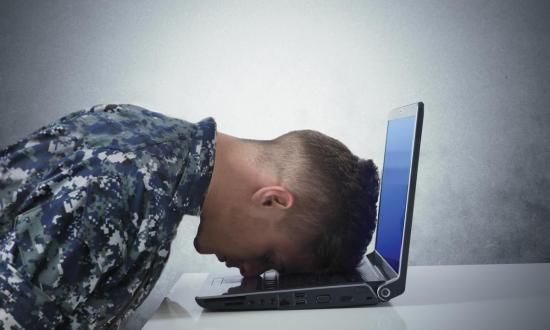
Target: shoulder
<point x="129" y="126"/>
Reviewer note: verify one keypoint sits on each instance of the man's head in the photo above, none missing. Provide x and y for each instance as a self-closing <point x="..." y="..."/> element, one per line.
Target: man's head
<point x="300" y="202"/>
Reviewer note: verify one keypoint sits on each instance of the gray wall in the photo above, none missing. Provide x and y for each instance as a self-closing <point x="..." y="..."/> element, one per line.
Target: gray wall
<point x="263" y="68"/>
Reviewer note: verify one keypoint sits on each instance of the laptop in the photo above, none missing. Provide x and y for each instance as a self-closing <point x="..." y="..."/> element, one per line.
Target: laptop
<point x="381" y="274"/>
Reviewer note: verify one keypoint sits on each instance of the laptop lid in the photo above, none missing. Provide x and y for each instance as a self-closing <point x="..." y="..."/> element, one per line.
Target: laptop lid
<point x="396" y="200"/>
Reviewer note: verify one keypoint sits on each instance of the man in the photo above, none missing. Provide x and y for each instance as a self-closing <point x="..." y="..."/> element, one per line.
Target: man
<point x="90" y="204"/>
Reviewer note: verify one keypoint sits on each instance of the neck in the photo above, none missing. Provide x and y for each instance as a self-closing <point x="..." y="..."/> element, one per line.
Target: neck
<point x="236" y="173"/>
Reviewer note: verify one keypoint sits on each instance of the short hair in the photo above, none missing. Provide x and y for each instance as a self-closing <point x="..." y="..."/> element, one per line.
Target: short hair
<point x="335" y="196"/>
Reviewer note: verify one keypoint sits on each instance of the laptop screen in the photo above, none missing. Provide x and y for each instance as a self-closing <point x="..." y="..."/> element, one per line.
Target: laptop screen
<point x="394" y="187"/>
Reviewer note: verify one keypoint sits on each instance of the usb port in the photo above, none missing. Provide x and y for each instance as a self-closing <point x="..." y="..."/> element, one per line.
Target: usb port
<point x="300" y="298"/>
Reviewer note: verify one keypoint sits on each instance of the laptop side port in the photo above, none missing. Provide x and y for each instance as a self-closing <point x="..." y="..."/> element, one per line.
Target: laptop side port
<point x="284" y="301"/>
<point x="323" y="299"/>
<point x="300" y="298"/>
<point x="227" y="303"/>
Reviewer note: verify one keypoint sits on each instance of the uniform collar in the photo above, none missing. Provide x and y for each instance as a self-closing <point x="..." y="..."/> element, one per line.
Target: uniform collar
<point x="197" y="169"/>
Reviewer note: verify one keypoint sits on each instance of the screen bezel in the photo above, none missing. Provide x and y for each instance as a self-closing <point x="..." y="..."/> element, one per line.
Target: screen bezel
<point x="396" y="285"/>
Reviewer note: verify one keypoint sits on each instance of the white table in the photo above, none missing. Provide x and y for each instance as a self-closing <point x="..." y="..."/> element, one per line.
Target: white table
<point x="514" y="296"/>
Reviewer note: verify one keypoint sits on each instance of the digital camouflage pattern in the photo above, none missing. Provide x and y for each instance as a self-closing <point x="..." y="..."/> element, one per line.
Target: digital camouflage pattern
<point x="88" y="208"/>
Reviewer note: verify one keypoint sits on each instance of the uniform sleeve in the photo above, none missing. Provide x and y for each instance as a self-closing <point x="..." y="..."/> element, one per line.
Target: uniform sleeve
<point x="62" y="252"/>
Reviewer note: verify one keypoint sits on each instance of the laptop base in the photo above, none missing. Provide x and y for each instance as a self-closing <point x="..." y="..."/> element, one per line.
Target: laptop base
<point x="319" y="297"/>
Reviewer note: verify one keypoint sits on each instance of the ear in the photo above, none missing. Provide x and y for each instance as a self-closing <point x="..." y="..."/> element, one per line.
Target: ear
<point x="273" y="196"/>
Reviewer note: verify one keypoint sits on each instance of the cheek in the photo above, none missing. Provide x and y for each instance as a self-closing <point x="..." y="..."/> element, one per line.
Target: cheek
<point x="243" y="236"/>
<point x="246" y="247"/>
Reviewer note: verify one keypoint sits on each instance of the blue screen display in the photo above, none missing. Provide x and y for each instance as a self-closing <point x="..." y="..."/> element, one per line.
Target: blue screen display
<point x="393" y="193"/>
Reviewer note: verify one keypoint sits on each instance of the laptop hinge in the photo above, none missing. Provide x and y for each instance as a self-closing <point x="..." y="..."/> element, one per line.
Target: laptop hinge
<point x="382" y="266"/>
<point x="369" y="271"/>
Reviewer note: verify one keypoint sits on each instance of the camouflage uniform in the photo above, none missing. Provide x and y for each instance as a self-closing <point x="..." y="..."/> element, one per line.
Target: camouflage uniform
<point x="88" y="208"/>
